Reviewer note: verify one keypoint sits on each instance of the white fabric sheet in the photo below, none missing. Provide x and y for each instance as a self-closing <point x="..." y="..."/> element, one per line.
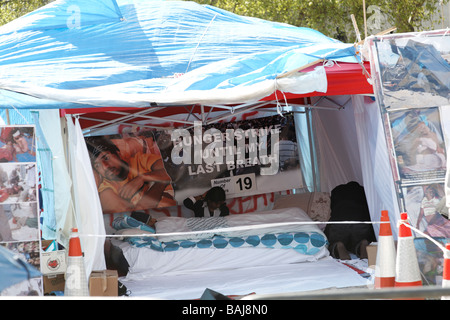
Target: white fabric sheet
<point x="322" y="274"/>
<point x="337" y="144"/>
<point x="376" y="170"/>
<point x="50" y="123"/>
<point x="252" y="224"/>
<point x="352" y="147"/>
<point x="88" y="210"/>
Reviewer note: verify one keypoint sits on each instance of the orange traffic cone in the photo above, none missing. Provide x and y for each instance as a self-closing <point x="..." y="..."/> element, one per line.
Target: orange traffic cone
<point x="407" y="273"/>
<point x="386" y="255"/>
<point x="76" y="281"/>
<point x="446" y="272"/>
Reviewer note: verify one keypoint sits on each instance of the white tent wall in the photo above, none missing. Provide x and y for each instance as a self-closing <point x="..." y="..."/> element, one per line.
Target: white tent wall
<point x="336" y="143"/>
<point x="376" y="170"/>
<point x="351" y="146"/>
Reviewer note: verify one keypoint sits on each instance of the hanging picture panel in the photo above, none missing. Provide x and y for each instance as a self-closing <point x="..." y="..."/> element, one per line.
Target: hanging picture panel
<point x="19" y="203"/>
<point x="412" y="87"/>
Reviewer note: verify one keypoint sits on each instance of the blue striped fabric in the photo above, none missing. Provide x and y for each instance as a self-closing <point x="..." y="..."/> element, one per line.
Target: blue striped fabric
<point x="308" y="243"/>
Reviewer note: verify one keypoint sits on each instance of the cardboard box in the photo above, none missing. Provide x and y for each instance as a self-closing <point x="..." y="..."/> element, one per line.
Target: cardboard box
<point x="104" y="283"/>
<point x="52" y="262"/>
<point x="54" y="283"/>
<point x="372" y="254"/>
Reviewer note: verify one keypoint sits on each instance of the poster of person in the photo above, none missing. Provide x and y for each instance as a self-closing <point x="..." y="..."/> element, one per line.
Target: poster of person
<point x="426" y="209"/>
<point x="18" y="202"/>
<point x="17" y="144"/>
<point x="130" y="173"/>
<point x="419" y="144"/>
<point x="160" y="168"/>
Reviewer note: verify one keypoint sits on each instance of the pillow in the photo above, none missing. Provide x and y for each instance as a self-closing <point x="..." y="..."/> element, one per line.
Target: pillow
<point x="133" y="232"/>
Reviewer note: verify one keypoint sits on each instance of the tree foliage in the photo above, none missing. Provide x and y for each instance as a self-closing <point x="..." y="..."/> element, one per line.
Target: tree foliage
<point x="332" y="17"/>
<point x="13" y="9"/>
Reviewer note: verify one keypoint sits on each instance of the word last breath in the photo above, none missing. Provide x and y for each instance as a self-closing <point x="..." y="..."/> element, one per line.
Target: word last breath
<point x="201" y="169"/>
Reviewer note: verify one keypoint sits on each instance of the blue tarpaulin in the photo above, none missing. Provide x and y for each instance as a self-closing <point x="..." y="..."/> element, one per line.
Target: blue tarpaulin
<point x="130" y="53"/>
<point x="13" y="269"/>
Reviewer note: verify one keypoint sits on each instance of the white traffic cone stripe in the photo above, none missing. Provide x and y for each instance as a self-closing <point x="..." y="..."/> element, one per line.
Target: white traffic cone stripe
<point x="407" y="272"/>
<point x="76" y="282"/>
<point x="407" y="269"/>
<point x="386" y="259"/>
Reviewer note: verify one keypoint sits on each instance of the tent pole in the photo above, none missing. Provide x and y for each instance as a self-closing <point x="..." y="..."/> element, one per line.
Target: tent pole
<point x="365" y="19"/>
<point x="191" y="113"/>
<point x="355" y="25"/>
<point x="8" y="122"/>
<point x="311" y="147"/>
<point x="91" y="131"/>
<point x="124" y="118"/>
<point x="237" y="113"/>
<point x="144" y="116"/>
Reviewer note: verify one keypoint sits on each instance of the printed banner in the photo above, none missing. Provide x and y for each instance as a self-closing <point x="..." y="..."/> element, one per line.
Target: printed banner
<point x="157" y="169"/>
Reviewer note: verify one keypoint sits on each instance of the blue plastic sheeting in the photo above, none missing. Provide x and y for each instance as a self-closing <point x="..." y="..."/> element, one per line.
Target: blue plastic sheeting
<point x="72" y="54"/>
<point x="13" y="269"/>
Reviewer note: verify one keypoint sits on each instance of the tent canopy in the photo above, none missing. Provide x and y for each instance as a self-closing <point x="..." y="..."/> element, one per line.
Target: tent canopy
<point x="138" y="53"/>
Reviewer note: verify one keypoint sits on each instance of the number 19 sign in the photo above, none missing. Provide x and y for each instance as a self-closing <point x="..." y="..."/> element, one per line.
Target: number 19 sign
<point x="238" y="184"/>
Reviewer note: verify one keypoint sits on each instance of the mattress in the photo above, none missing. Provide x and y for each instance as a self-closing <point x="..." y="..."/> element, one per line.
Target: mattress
<point x="276" y="251"/>
<point x="184" y="245"/>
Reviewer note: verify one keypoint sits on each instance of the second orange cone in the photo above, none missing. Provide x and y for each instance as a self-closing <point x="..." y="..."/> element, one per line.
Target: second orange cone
<point x="386" y="255"/>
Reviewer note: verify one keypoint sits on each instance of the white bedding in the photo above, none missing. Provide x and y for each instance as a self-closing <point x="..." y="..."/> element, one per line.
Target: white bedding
<point x="185" y="273"/>
<point x="240" y="225"/>
<point x="322" y="274"/>
<point x="232" y="242"/>
<point x="146" y="263"/>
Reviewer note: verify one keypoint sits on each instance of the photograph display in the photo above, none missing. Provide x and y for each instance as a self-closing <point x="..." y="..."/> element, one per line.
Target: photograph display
<point x="419" y="144"/>
<point x="414" y="71"/>
<point x="19" y="203"/>
<point x="427" y="210"/>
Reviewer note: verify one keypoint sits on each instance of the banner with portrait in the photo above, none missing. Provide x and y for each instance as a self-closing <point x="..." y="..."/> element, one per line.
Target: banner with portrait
<point x="156" y="169"/>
